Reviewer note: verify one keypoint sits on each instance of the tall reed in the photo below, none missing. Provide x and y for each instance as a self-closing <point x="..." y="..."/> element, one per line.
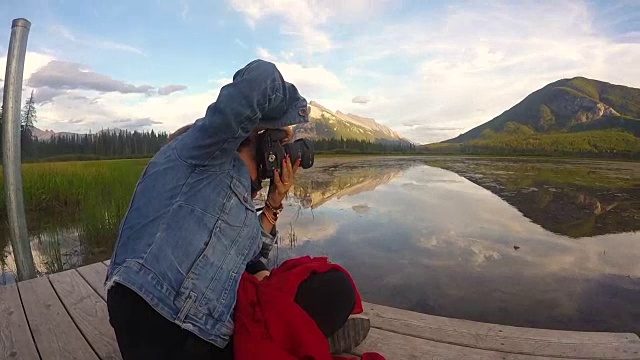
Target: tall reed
<point x="74" y="202"/>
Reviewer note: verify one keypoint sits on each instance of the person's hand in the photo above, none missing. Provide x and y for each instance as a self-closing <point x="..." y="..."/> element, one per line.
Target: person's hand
<point x="282" y="182"/>
<point x="262" y="274"/>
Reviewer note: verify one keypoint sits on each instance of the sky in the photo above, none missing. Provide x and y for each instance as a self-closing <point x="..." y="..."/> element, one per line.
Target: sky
<point x="429" y="70"/>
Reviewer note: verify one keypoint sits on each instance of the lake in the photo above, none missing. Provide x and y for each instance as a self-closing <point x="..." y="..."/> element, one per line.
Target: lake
<point x="524" y="242"/>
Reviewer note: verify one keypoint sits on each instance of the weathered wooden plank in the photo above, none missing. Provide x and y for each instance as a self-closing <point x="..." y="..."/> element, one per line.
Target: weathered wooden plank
<point x="401" y="347"/>
<point x="15" y="338"/>
<point x="89" y="312"/>
<point x="55" y="334"/>
<point x="94" y="275"/>
<point x="398" y="334"/>
<point x="540" y="342"/>
<point x="382" y="313"/>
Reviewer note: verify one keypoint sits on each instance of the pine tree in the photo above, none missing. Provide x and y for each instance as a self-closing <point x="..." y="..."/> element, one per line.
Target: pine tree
<point x="28" y="117"/>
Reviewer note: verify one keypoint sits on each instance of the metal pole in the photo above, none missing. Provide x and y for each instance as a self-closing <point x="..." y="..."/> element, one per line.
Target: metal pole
<point x="11" y="149"/>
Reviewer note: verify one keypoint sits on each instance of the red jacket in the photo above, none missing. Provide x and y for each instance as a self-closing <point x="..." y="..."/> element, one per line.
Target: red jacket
<point x="270" y="325"/>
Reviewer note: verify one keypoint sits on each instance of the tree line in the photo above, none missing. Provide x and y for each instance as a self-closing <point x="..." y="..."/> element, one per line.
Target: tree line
<point x="110" y="143"/>
<point x="116" y="143"/>
<point x="105" y="144"/>
<point x="361" y="146"/>
<point x="612" y="144"/>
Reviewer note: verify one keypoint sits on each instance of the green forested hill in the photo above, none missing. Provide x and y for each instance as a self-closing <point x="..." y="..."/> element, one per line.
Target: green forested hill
<point x="569" y="105"/>
<point x="577" y="116"/>
<point x="596" y="143"/>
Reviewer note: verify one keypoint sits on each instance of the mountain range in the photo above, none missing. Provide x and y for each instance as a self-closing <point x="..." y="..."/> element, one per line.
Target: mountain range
<point x="323" y="123"/>
<point x="564" y="106"/>
<point x="327" y="124"/>
<point x="568" y="116"/>
<point x="46" y="135"/>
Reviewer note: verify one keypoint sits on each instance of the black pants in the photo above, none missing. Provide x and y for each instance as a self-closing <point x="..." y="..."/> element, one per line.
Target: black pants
<point x="143" y="333"/>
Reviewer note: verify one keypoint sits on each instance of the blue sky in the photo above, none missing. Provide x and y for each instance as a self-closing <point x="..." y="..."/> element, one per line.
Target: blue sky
<point x="429" y="70"/>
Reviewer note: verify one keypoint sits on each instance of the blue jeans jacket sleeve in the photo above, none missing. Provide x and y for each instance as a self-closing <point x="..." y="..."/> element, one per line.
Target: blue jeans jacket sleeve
<point x="268" y="240"/>
<point x="191" y="227"/>
<point x="258" y="95"/>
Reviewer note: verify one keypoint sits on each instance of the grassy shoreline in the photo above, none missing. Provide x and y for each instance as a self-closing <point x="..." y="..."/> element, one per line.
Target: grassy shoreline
<point x="72" y="159"/>
<point x="70" y="186"/>
<point x="91" y="197"/>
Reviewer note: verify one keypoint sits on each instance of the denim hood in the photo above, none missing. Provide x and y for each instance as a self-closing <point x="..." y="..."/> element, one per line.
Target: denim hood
<point x="191" y="227"/>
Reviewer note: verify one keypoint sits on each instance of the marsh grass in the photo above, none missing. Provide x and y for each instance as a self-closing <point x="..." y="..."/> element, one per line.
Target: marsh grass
<point x="74" y="185"/>
<point x="527" y="172"/>
<point x="51" y="253"/>
<point x="292" y="237"/>
<point x="74" y="209"/>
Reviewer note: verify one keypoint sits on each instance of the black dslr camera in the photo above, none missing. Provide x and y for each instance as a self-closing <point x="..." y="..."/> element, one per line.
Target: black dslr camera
<point x="271" y="152"/>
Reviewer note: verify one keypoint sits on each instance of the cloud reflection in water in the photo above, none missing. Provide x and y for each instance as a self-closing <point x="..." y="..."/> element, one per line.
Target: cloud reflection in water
<point x="426" y="239"/>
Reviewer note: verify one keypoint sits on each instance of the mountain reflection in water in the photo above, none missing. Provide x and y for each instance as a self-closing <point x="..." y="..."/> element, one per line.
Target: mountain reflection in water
<point x="571" y="197"/>
<point x="548" y="244"/>
<point x="422" y="238"/>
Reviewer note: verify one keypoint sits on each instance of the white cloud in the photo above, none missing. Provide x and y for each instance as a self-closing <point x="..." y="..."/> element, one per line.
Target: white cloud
<point x="185" y="9"/>
<point x="307" y="20"/>
<point x="33" y="61"/>
<point x="429" y="74"/>
<point x="360" y="100"/>
<point x="472" y="62"/>
<point x="92" y="41"/>
<point x="64" y="75"/>
<point x="46" y="94"/>
<point x="111" y="45"/>
<point x="221" y="81"/>
<point x="169" y="89"/>
<point x="93" y="111"/>
<point x="265" y="54"/>
<point x="63" y="32"/>
<point x="241" y="43"/>
<point x="312" y="81"/>
<point x="82" y="110"/>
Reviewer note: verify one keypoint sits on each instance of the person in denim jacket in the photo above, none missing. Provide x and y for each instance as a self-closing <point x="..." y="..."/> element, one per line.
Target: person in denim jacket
<point x="191" y="228"/>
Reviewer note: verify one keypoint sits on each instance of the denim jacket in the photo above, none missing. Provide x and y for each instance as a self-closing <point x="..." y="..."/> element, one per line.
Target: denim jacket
<point x="191" y="227"/>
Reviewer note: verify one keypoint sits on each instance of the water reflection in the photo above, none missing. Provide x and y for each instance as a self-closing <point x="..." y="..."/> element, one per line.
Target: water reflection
<point x="53" y="251"/>
<point x="344" y="179"/>
<point x="64" y="239"/>
<point x="573" y="198"/>
<point x="429" y="240"/>
<point x="536" y="244"/>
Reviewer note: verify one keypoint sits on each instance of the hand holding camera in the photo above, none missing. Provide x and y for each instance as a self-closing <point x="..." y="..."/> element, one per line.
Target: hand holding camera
<point x="282" y="181"/>
<point x="279" y="161"/>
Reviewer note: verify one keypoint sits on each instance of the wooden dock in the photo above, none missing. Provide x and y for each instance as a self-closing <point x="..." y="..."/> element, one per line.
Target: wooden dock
<point x="64" y="316"/>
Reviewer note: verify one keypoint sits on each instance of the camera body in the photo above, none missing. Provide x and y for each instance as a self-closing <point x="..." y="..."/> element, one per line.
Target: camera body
<point x="271" y="153"/>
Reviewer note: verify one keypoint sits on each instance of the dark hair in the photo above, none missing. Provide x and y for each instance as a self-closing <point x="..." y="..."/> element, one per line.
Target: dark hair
<point x="179" y="132"/>
<point x="245" y="142"/>
<point x="184" y="129"/>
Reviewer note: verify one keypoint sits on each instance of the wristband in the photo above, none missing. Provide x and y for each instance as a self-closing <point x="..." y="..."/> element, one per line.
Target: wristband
<point x="275" y="210"/>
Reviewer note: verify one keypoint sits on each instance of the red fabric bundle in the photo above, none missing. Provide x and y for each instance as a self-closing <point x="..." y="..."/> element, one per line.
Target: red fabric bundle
<point x="270" y="325"/>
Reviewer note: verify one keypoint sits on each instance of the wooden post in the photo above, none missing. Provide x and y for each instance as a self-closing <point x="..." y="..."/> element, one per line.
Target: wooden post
<point x="11" y="149"/>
